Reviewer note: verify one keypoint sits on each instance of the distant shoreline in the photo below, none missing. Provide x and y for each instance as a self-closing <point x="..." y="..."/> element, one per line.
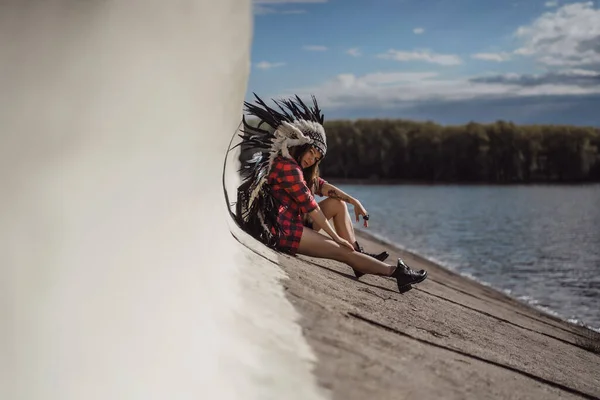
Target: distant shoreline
<point x="394" y="182"/>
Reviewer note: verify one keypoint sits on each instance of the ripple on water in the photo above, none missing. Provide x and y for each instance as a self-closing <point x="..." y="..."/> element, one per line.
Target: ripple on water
<point x="540" y="243"/>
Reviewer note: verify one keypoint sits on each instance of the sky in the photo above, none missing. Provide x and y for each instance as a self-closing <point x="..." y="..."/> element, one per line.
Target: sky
<point x="448" y="61"/>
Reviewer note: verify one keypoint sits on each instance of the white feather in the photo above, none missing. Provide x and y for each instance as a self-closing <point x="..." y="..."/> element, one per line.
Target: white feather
<point x="304" y="125"/>
<point x="261" y="218"/>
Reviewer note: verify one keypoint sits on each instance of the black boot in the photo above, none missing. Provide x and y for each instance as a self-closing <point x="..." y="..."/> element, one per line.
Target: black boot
<point x="405" y="277"/>
<point x="381" y="257"/>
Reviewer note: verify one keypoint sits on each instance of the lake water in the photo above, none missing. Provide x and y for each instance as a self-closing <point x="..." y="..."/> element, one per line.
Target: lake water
<point x="539" y="243"/>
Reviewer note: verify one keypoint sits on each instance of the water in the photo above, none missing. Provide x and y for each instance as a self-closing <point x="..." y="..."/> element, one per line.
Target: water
<point x="540" y="244"/>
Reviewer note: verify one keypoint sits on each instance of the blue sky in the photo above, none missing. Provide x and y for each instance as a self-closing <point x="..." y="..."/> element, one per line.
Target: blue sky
<point x="450" y="61"/>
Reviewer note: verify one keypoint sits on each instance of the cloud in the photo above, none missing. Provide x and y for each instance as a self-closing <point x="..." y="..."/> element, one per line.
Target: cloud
<point x="552" y="3"/>
<point x="314" y="48"/>
<point x="395" y="90"/>
<point x="380" y="79"/>
<point x="575" y="77"/>
<point x="564" y="41"/>
<point x="498" y="57"/>
<point x="267" y="65"/>
<point x="572" y="110"/>
<point x="566" y="37"/>
<point x="354" y="52"/>
<point x="426" y="56"/>
<point x="418" y="31"/>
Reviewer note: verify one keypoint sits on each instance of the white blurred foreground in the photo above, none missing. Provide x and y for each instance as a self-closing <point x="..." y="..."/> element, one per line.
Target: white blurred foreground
<point x="119" y="276"/>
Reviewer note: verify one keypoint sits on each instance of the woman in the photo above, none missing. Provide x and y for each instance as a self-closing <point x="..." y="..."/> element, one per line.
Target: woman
<point x="308" y="158"/>
<point x="274" y="197"/>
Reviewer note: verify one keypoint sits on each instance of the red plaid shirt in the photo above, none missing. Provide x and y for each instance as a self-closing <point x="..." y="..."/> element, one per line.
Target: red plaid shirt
<point x="289" y="187"/>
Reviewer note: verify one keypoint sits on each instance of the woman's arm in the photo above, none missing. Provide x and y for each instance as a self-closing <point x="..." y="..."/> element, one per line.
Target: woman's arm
<point x="331" y="191"/>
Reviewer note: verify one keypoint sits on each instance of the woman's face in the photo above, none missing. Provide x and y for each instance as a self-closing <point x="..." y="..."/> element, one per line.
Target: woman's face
<point x="310" y="157"/>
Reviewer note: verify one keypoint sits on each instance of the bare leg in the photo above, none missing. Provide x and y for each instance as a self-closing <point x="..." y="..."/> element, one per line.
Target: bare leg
<point x="337" y="209"/>
<point x="314" y="244"/>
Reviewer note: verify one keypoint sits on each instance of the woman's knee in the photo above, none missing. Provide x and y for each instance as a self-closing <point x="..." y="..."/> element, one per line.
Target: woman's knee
<point x="332" y="207"/>
<point x="339" y="206"/>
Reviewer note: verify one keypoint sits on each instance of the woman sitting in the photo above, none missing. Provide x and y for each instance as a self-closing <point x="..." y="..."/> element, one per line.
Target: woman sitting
<point x="276" y="201"/>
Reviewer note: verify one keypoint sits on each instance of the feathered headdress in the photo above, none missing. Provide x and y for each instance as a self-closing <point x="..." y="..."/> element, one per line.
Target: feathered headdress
<point x="293" y="124"/>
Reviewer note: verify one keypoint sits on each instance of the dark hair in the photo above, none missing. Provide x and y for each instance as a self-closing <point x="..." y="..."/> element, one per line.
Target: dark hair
<point x="311" y="174"/>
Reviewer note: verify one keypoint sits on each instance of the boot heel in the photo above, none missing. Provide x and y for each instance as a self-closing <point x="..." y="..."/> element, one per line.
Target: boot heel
<point x="405" y="288"/>
<point x="357" y="273"/>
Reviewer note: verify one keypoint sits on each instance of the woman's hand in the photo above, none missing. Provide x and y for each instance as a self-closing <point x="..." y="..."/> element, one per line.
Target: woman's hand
<point x="343" y="242"/>
<point x="360" y="210"/>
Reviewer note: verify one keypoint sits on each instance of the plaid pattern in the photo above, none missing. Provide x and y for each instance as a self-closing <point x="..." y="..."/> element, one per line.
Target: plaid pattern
<point x="320" y="184"/>
<point x="288" y="186"/>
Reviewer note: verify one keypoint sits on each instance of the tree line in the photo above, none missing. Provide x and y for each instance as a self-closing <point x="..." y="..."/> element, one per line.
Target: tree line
<point x="500" y="152"/>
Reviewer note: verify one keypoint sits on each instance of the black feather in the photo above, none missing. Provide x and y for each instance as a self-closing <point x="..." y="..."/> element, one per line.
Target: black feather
<point x="255" y="147"/>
